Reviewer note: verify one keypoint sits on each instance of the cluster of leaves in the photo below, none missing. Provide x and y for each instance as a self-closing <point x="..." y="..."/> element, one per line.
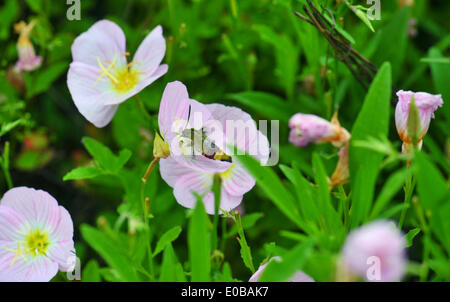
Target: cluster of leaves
<point x="259" y="56"/>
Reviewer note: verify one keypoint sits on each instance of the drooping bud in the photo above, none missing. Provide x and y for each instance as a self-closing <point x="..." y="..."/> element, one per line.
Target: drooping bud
<point x="28" y="60"/>
<point x="308" y="128"/>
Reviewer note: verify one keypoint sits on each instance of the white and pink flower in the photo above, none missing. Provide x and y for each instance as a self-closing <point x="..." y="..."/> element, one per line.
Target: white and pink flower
<point x="427" y="105"/>
<point x="309" y="128"/>
<point x="201" y="139"/>
<point x="28" y="61"/>
<point x="36" y="236"/>
<point x="100" y="78"/>
<point x="376" y="252"/>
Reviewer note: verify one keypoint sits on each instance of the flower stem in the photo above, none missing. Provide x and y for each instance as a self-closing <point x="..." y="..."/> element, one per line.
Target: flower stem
<point x="216" y="190"/>
<point x="146" y="211"/>
<point x="4" y="162"/>
<point x="409" y="189"/>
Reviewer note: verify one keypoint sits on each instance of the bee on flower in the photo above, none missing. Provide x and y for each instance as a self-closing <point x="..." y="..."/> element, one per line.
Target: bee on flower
<point x="199" y="140"/>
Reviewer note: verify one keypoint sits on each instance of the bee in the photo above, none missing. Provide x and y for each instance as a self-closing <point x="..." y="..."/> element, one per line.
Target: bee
<point x="198" y="141"/>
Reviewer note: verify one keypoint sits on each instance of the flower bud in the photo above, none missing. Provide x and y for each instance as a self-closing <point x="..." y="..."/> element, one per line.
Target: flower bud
<point x="308" y="128"/>
<point x="426" y="104"/>
<point x="28" y="60"/>
<point x="160" y="147"/>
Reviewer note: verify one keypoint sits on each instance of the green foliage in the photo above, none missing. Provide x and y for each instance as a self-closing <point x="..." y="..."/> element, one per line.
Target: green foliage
<point x="373" y="121"/>
<point x="260" y="57"/>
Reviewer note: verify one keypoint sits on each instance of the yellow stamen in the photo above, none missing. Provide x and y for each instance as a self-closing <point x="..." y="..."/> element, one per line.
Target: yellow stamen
<point x="17" y="252"/>
<point x="106" y="71"/>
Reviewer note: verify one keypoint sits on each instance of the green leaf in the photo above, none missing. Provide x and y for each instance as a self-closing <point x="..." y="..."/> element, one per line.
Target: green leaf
<point x="434" y="195"/>
<point x="169" y="264"/>
<point x="83" y="173"/>
<point x="40" y="82"/>
<point x="410" y="236"/>
<point x="108" y="249"/>
<point x="390" y="189"/>
<point x="199" y="245"/>
<point x="394" y="33"/>
<point x="361" y="15"/>
<point x="441" y="79"/>
<point x="248" y="221"/>
<point x="246" y="253"/>
<point x="372" y="121"/>
<point x="8" y="13"/>
<point x="266" y="104"/>
<point x="271" y="184"/>
<point x="292" y="262"/>
<point x="167" y="238"/>
<point x="91" y="272"/>
<point x="286" y="53"/>
<point x="104" y="156"/>
<point x="332" y="221"/>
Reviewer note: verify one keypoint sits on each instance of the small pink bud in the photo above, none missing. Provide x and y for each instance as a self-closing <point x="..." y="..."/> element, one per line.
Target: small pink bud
<point x="28" y="60"/>
<point x="427" y="105"/>
<point x="308" y="128"/>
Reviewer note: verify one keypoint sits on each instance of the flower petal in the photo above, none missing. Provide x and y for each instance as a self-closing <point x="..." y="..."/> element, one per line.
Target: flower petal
<point x="40" y="269"/>
<point x="174" y="107"/>
<point x="105" y="40"/>
<point x="91" y="99"/>
<point x="11" y="224"/>
<point x="151" y="52"/>
<point x="38" y="208"/>
<point x="237" y="181"/>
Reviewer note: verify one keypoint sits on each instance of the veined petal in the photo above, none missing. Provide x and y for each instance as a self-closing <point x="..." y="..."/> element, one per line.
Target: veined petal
<point x="38" y="208"/>
<point x="11" y="224"/>
<point x="174" y="108"/>
<point x="237" y="181"/>
<point x="151" y="52"/>
<point x="40" y="269"/>
<point x="194" y="181"/>
<point x="91" y="99"/>
<point x="104" y="40"/>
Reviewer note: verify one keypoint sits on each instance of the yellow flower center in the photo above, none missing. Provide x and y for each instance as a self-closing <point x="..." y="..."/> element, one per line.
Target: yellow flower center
<point x="123" y="79"/>
<point x="34" y="244"/>
<point x="37" y="243"/>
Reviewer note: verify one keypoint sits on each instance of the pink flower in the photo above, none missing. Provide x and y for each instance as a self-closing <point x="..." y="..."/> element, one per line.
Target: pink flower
<point x="199" y="138"/>
<point x="299" y="276"/>
<point x="35" y="236"/>
<point x="308" y="128"/>
<point x="376" y="252"/>
<point x="427" y="105"/>
<point x="100" y="78"/>
<point x="28" y="60"/>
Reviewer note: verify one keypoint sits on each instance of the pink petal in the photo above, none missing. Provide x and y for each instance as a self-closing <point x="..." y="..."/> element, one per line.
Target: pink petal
<point x="37" y="207"/>
<point x="238" y="181"/>
<point x="174" y="106"/>
<point x="91" y="99"/>
<point x="151" y="52"/>
<point x="40" y="269"/>
<point x="105" y="40"/>
<point x="11" y="224"/>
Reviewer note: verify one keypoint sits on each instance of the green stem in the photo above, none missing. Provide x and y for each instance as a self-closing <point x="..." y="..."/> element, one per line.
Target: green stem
<point x="409" y="189"/>
<point x="224" y="235"/>
<point x="4" y="162"/>
<point x="216" y="190"/>
<point x="146" y="211"/>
